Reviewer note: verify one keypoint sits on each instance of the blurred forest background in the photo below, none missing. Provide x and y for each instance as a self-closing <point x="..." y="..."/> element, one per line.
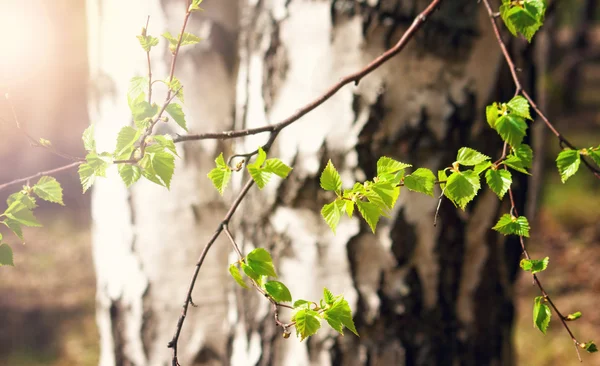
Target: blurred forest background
<point x="47" y="300"/>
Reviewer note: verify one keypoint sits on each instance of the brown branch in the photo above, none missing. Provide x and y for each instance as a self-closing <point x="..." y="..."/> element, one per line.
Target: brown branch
<point x="40" y="174"/>
<point x="275" y="129"/>
<point x="520" y="90"/>
<point x="351" y="78"/>
<point x="537" y="281"/>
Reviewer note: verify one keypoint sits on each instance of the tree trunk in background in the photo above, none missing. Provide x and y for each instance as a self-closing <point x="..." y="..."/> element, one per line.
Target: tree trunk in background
<point x="423" y="295"/>
<point x="146" y="239"/>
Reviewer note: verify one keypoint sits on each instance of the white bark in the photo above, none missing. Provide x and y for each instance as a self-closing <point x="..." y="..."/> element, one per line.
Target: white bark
<point x="146" y="239"/>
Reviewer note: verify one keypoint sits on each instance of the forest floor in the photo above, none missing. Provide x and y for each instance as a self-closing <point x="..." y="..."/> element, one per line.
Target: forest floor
<point x="47" y="301"/>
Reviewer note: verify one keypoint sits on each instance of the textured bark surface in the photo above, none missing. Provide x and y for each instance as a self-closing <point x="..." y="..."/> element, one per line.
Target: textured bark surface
<point x="147" y="239"/>
<point x="423" y="295"/>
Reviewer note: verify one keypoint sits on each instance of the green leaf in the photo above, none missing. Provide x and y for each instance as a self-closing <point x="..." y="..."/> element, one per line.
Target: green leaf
<point x="166" y="142"/>
<point x="48" y="189"/>
<point x="523" y="17"/>
<point x="462" y="187"/>
<point x="129" y="173"/>
<point x="524" y="154"/>
<point x="567" y="163"/>
<point x="370" y="212"/>
<point x="277" y="167"/>
<point x="328" y="296"/>
<point x="304" y="304"/>
<point x="576" y="315"/>
<point x="175" y="86"/>
<point x="187" y="39"/>
<point x="138" y="85"/>
<point x="237" y="276"/>
<point x="386" y="192"/>
<point x="442" y="177"/>
<point x="595" y="155"/>
<point x="176" y="112"/>
<point x="387" y="165"/>
<point x="541" y="314"/>
<point x="22" y="214"/>
<point x="250" y="272"/>
<point x="512" y="129"/>
<point x="349" y="206"/>
<point x="278" y="291"/>
<point x="195" y="6"/>
<point x="481" y="167"/>
<point x="339" y="314"/>
<point x="534" y="265"/>
<point x="519" y="106"/>
<point x="332" y="212"/>
<point x="6" y="255"/>
<point x="259" y="175"/>
<point x="307" y="323"/>
<point x="590" y="347"/>
<point x="421" y="180"/>
<point x="470" y="157"/>
<point x="330" y="178"/>
<point x="510" y="225"/>
<point x="126" y="138"/>
<point x="88" y="139"/>
<point x="86" y="176"/>
<point x="499" y="181"/>
<point x="147" y="42"/>
<point x="15" y="227"/>
<point x="261" y="262"/>
<point x="220" y="175"/>
<point x="158" y="165"/>
<point x="492" y="114"/>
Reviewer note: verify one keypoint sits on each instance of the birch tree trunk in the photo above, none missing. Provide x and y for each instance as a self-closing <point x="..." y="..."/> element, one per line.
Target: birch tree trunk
<point x="423" y="295"/>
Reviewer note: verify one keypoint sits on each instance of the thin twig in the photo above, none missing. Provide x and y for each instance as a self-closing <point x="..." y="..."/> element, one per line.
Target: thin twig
<point x="40" y="174"/>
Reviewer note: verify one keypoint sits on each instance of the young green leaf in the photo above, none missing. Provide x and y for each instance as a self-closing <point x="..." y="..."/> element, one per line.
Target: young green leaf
<point x="332" y="212"/>
<point x="88" y="139"/>
<point x="147" y="42"/>
<point x="524" y="17"/>
<point x="387" y="165"/>
<point x="510" y="225"/>
<point x="278" y="291"/>
<point x="534" y="265"/>
<point x="307" y="323"/>
<point x="176" y="112"/>
<point x="138" y="86"/>
<point x="481" y="167"/>
<point x="339" y="314"/>
<point x="166" y="141"/>
<point x="220" y="175"/>
<point x="330" y="178"/>
<point x="370" y="212"/>
<point x="259" y="175"/>
<point x="20" y="212"/>
<point x="567" y="163"/>
<point x="175" y="86"/>
<point x="48" y="189"/>
<point x="86" y="176"/>
<point x="328" y="296"/>
<point x="470" y="157"/>
<point x="187" y="39"/>
<point x="590" y="347"/>
<point x="595" y="155"/>
<point x="237" y="276"/>
<point x="141" y="111"/>
<point x="261" y="262"/>
<point x="277" y="167"/>
<point x="499" y="181"/>
<point x="304" y="304"/>
<point x="519" y="106"/>
<point x="6" y="255"/>
<point x="442" y="177"/>
<point x="129" y="173"/>
<point x="349" y="206"/>
<point x="576" y="315"/>
<point x="126" y="138"/>
<point x="492" y="114"/>
<point x="462" y="187"/>
<point x="421" y="180"/>
<point x="15" y="227"/>
<point x="195" y="6"/>
<point x="386" y="193"/>
<point x="250" y="272"/>
<point x="158" y="165"/>
<point x="524" y="154"/>
<point x="512" y="129"/>
<point x="541" y="314"/>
